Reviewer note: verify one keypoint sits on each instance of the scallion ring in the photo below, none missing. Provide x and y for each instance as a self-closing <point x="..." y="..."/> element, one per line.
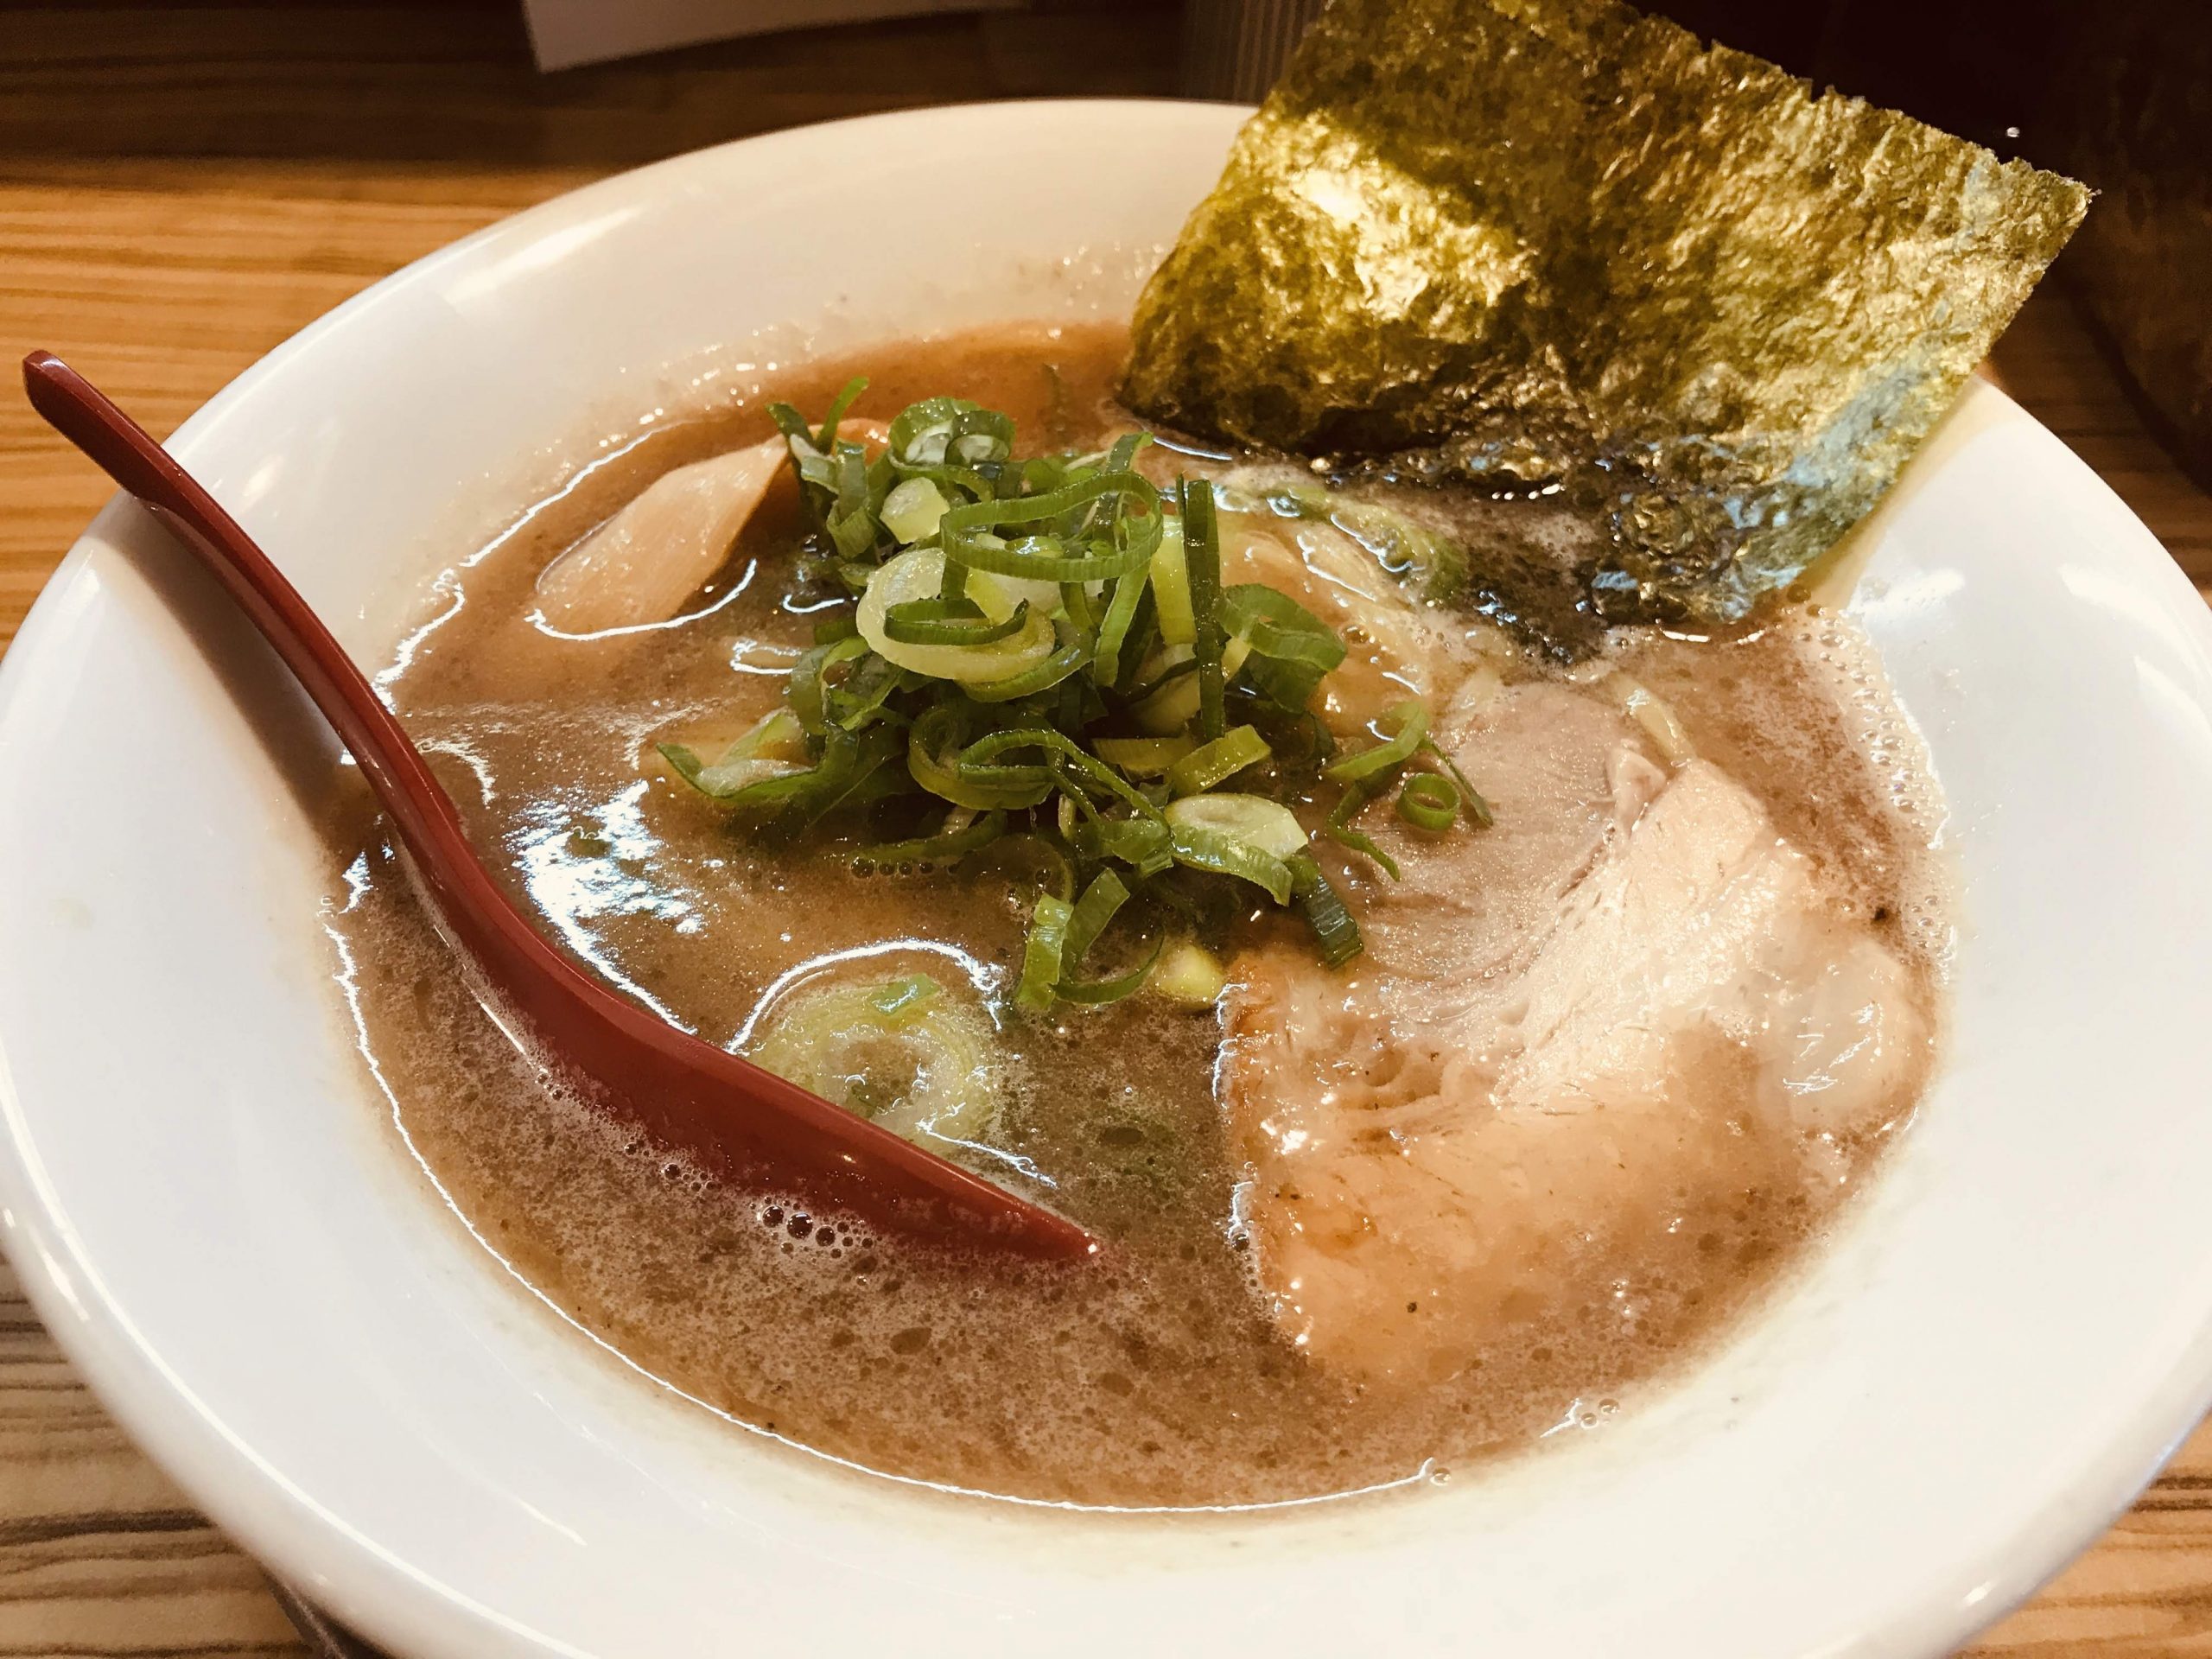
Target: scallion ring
<point x="1429" y="801"/>
<point x="946" y="847"/>
<point x="1411" y="718"/>
<point x="1217" y="761"/>
<point x="949" y="622"/>
<point x="1041" y="953"/>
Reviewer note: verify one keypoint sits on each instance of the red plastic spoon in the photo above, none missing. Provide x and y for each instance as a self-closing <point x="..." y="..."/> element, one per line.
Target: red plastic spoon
<point x="744" y="1124"/>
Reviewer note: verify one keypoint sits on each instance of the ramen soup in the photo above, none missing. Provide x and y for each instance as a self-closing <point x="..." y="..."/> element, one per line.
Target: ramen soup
<point x="1444" y="1039"/>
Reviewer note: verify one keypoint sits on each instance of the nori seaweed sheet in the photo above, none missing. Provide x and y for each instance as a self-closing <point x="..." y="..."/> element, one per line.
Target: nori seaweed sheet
<point x="1556" y="244"/>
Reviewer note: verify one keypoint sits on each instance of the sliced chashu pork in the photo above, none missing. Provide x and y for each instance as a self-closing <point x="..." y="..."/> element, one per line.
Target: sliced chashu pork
<point x="639" y="568"/>
<point x="1575" y="1042"/>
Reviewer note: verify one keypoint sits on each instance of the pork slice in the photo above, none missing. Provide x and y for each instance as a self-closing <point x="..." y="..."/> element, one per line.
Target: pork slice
<point x="640" y="567"/>
<point x="1603" y="1020"/>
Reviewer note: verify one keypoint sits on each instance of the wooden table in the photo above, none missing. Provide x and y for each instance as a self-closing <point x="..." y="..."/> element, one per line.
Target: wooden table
<point x="180" y="189"/>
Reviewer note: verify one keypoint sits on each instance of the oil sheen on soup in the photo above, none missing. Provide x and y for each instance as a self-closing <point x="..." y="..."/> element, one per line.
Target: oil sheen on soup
<point x="1604" y="1068"/>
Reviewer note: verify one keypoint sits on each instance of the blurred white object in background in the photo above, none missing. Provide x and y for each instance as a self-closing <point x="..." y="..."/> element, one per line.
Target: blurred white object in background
<point x="563" y="33"/>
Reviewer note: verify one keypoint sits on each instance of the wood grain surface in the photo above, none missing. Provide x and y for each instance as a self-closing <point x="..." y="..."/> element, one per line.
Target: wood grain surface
<point x="181" y="187"/>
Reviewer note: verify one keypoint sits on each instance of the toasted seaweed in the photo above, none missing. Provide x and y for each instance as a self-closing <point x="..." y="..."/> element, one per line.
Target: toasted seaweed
<point x="1558" y="244"/>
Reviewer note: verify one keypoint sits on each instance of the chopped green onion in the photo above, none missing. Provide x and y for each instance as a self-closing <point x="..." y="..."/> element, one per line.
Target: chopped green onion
<point x="912" y="510"/>
<point x="949" y="622"/>
<point x="946" y="435"/>
<point x="805" y="692"/>
<point x="911" y="1054"/>
<point x="1253" y="819"/>
<point x="1395" y="750"/>
<point x="1471" y="797"/>
<point x="854" y="771"/>
<point x="1113" y="627"/>
<point x="1171" y="587"/>
<point x="1124" y="452"/>
<point x="1097" y="907"/>
<point x="732" y="781"/>
<point x="776" y="734"/>
<point x="1167" y="699"/>
<point x="1291" y="649"/>
<point x="1041" y="953"/>
<point x="773" y="747"/>
<point x="1075" y="603"/>
<point x="917" y="576"/>
<point x="827" y="437"/>
<point x="1323" y="908"/>
<point x="1143" y="757"/>
<point x="948" y="845"/>
<point x="1070" y="654"/>
<point x="1008" y="609"/>
<point x="1099" y="992"/>
<point x="860" y="699"/>
<point x="1202" y="569"/>
<point x="1339" y="830"/>
<point x="1217" y="761"/>
<point x="968" y="532"/>
<point x="1200" y="849"/>
<point x="933" y="761"/>
<point x="1190" y="974"/>
<point x="1066" y="749"/>
<point x="1146" y="844"/>
<point x="899" y="1002"/>
<point x="1429" y="801"/>
<point x="753" y="784"/>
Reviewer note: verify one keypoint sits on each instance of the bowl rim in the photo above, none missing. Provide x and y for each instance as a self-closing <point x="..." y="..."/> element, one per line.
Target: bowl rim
<point x="285" y="1527"/>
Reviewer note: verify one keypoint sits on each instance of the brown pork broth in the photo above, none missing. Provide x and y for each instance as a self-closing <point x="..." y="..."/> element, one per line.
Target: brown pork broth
<point x="1154" y="1376"/>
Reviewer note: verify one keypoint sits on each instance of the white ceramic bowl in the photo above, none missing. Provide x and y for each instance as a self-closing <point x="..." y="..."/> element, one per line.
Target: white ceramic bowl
<point x="210" y="1214"/>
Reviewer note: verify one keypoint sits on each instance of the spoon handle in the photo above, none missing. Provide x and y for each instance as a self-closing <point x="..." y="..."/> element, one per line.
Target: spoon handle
<point x="741" y="1121"/>
<point x="127" y="454"/>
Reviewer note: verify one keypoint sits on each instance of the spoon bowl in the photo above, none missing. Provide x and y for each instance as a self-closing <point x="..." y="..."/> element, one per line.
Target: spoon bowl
<point x="743" y="1123"/>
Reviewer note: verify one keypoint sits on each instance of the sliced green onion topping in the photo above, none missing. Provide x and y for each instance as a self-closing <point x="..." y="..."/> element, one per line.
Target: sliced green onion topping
<point x="1009" y="611"/>
<point x="898" y="1002"/>
<point x="1074" y="544"/>
<point x="1339" y="829"/>
<point x="1471" y="797"/>
<point x="1429" y="801"/>
<point x="1411" y="719"/>
<point x="1145" y="844"/>
<point x="1253" y="819"/>
<point x="1070" y="654"/>
<point x="1202" y="569"/>
<point x="1200" y="848"/>
<point x="1097" y="907"/>
<point x="912" y="510"/>
<point x="934" y="760"/>
<point x="1190" y="974"/>
<point x="1067" y="750"/>
<point x="948" y="845"/>
<point x="1099" y="992"/>
<point x="949" y="622"/>
<point x="805" y="693"/>
<point x="1041" y="954"/>
<point x="1143" y="757"/>
<point x="1113" y="627"/>
<point x="1217" y="761"/>
<point x="1322" y="907"/>
<point x="916" y="577"/>
<point x="1171" y="587"/>
<point x="1290" y="649"/>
